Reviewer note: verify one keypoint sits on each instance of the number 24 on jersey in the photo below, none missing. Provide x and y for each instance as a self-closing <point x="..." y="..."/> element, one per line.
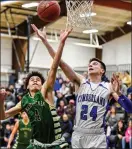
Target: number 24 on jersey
<point x="93" y="112"/>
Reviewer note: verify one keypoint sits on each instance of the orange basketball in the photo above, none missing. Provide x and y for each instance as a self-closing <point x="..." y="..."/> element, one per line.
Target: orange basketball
<point x="48" y="11"/>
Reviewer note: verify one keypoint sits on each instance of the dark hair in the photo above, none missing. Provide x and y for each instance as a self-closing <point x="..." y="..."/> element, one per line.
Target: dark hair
<point x="98" y="60"/>
<point x="121" y="120"/>
<point x="127" y="72"/>
<point x="34" y="73"/>
<point x="8" y="90"/>
<point x="104" y="78"/>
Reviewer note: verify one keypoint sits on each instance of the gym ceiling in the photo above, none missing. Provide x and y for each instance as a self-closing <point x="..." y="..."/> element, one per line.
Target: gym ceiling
<point x="110" y="20"/>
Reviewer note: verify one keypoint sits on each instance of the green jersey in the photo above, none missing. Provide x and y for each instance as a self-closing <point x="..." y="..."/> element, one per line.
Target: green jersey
<point x="43" y="118"/>
<point x="23" y="135"/>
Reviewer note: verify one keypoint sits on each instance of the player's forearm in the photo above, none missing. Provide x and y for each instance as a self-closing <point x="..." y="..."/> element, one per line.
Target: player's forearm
<point x="125" y="103"/>
<point x="66" y="68"/>
<point x="2" y="111"/>
<point x="55" y="64"/>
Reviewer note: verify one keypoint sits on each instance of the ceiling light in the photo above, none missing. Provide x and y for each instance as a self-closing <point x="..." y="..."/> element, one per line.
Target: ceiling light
<point x="87" y="14"/>
<point x="90" y="31"/>
<point x="49" y="40"/>
<point x="129" y="22"/>
<point x="8" y="2"/>
<point x="88" y="45"/>
<point x="29" y="5"/>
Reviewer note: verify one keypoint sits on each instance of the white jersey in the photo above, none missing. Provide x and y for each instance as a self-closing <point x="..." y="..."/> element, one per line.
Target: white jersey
<point x="91" y="102"/>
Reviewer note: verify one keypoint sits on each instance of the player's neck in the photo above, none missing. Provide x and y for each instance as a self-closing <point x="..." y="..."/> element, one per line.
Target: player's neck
<point x="32" y="94"/>
<point x="95" y="78"/>
<point x="25" y="121"/>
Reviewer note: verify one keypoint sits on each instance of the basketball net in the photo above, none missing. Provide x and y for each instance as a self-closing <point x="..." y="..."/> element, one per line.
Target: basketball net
<point x="79" y="13"/>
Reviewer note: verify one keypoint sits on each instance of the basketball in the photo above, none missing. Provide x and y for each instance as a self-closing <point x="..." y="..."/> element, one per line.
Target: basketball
<point x="48" y="11"/>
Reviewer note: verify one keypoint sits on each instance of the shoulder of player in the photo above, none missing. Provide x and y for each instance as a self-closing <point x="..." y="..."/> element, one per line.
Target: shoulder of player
<point x="109" y="86"/>
<point x="106" y="85"/>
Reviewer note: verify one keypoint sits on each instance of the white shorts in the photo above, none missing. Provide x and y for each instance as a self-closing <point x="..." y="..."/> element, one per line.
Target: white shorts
<point x="88" y="140"/>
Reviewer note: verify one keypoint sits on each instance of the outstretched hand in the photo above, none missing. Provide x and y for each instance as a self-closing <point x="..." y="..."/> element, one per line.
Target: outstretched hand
<point x="64" y="34"/>
<point x="41" y="34"/>
<point x="115" y="84"/>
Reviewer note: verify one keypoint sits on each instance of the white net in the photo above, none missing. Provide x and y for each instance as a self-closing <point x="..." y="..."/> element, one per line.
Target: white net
<point x="79" y="13"/>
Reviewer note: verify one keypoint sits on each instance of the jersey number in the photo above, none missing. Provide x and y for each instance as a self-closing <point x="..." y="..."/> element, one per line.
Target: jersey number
<point x="93" y="112"/>
<point x="37" y="116"/>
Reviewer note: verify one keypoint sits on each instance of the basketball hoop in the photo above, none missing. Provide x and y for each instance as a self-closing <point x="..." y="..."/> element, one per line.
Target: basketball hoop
<point x="79" y="13"/>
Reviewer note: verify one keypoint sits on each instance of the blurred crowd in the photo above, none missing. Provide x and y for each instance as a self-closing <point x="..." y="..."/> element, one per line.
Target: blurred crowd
<point x="118" y="122"/>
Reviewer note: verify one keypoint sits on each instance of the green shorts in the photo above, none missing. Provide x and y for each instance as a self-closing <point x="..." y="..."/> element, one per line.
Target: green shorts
<point x="20" y="146"/>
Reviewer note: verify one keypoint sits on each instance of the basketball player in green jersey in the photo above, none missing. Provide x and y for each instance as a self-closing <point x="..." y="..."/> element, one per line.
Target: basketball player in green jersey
<point x="23" y="127"/>
<point x="39" y="105"/>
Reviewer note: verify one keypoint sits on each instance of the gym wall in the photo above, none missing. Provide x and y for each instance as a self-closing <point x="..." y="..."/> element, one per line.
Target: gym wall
<point x="6" y="53"/>
<point x="75" y="56"/>
<point x="118" y="51"/>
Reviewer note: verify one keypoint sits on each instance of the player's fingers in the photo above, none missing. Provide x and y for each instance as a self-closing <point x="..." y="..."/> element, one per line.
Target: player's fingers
<point x="44" y="29"/>
<point x="61" y="31"/>
<point x="115" y="77"/>
<point x="70" y="30"/>
<point x="111" y="80"/>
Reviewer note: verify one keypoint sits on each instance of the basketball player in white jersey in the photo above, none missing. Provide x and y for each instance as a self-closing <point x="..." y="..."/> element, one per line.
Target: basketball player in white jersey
<point x="91" y="102"/>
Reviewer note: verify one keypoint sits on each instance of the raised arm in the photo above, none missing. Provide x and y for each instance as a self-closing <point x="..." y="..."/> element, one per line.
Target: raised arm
<point x="69" y="72"/>
<point x="11" y="112"/>
<point x="49" y="84"/>
<point x="120" y="98"/>
<point x="11" y="138"/>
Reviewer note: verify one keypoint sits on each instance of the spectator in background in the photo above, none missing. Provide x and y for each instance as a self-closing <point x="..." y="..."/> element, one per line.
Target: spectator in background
<point x="61" y="108"/>
<point x="12" y="88"/>
<point x="123" y="87"/>
<point x="85" y="74"/>
<point x="128" y="136"/>
<point x="19" y="97"/>
<point x="22" y="88"/>
<point x="130" y="96"/>
<point x="1" y="135"/>
<point x="120" y="134"/>
<point x="66" y="126"/>
<point x="12" y="79"/>
<point x="111" y="122"/>
<point x="70" y="110"/>
<point x="111" y="119"/>
<point x="71" y="94"/>
<point x="127" y="79"/>
<point x="57" y="85"/>
<point x="10" y="99"/>
<point x="129" y="90"/>
<point x="60" y="97"/>
<point x="7" y="133"/>
<point x="64" y="89"/>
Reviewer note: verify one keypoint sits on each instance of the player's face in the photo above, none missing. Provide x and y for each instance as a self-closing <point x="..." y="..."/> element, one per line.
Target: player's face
<point x="34" y="83"/>
<point x="95" y="68"/>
